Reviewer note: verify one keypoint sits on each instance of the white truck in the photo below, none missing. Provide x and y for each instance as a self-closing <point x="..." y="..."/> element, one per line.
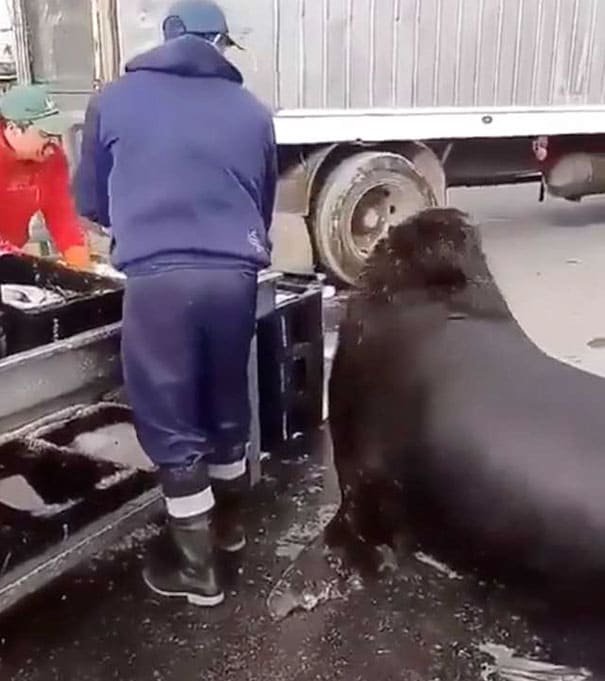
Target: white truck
<point x="380" y="105"/>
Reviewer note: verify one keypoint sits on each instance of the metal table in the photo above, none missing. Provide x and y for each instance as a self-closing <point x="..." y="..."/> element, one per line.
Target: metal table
<point x="55" y="383"/>
<point x="82" y="369"/>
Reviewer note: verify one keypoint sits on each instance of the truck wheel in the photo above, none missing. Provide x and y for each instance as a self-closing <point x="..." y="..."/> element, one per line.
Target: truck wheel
<point x="360" y="199"/>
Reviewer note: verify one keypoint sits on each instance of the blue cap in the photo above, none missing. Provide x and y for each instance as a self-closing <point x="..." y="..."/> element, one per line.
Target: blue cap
<point x="201" y="17"/>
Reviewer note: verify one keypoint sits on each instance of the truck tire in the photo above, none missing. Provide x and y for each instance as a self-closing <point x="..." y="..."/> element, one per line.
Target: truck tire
<point x="360" y="199"/>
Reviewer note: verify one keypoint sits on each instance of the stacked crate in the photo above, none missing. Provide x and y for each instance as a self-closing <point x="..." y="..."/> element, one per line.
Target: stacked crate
<point x="291" y="368"/>
<point x="87" y="302"/>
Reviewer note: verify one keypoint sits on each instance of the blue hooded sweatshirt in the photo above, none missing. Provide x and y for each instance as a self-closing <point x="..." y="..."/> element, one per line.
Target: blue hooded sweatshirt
<point x="179" y="159"/>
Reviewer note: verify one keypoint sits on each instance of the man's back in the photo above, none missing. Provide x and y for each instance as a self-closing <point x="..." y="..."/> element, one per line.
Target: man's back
<point x="192" y="159"/>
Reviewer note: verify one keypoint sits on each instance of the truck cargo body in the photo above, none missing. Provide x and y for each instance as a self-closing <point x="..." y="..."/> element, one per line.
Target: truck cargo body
<point x="332" y="69"/>
<point x="431" y="74"/>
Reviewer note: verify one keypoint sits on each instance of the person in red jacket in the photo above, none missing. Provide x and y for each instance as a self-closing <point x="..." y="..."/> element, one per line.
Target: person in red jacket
<point x="34" y="175"/>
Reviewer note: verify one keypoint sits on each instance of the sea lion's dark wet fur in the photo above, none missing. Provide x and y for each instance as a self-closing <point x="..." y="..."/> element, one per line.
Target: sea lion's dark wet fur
<point x="414" y="277"/>
<point x="411" y="467"/>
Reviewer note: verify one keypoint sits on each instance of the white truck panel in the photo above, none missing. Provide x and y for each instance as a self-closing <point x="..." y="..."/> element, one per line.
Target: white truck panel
<point x="360" y="54"/>
<point x="339" y="70"/>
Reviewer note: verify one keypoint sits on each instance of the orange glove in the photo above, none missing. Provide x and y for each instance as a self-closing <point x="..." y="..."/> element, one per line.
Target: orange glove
<point x="77" y="257"/>
<point x="8" y="247"/>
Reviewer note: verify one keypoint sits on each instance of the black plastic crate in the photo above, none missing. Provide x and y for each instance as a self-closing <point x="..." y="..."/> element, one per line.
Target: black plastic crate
<point x="299" y="311"/>
<point x="59" y="504"/>
<point x="291" y="400"/>
<point x="291" y="369"/>
<point x="88" y="302"/>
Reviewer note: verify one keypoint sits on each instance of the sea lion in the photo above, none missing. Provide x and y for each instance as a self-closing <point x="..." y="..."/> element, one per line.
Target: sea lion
<point x="450" y="426"/>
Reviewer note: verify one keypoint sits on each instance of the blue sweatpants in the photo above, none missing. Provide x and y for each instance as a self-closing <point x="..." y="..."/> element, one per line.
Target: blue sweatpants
<point x="186" y="341"/>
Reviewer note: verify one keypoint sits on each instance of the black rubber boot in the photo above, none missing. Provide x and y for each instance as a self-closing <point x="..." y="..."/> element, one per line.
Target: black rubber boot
<point x="227" y="515"/>
<point x="182" y="564"/>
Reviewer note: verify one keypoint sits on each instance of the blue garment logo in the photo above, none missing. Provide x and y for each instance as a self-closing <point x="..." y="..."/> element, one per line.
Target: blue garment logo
<point x="255" y="242"/>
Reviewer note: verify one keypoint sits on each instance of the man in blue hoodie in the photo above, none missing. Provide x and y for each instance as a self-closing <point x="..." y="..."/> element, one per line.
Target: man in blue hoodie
<point x="180" y="161"/>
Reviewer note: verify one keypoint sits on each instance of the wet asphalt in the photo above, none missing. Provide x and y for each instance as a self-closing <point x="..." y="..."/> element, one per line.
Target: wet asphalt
<point x="293" y="612"/>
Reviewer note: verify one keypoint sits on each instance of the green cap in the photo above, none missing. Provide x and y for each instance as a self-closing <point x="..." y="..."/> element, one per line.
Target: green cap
<point x="33" y="104"/>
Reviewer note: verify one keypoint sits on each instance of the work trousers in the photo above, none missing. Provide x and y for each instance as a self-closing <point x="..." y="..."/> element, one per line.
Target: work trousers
<point x="185" y="349"/>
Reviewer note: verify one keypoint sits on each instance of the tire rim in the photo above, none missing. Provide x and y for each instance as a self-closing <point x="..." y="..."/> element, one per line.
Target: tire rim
<point x="380" y="207"/>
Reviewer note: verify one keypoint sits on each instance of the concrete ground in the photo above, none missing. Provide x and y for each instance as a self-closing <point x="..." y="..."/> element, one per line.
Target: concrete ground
<point x="293" y="613"/>
<point x="549" y="261"/>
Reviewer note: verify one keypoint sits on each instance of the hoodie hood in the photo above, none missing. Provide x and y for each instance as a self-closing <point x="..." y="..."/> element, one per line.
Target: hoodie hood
<point x="189" y="56"/>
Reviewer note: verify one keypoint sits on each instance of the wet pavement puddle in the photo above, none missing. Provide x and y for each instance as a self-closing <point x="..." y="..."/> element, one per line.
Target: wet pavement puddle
<point x="300" y="535"/>
<point x="508" y="666"/>
<point x="294" y="612"/>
